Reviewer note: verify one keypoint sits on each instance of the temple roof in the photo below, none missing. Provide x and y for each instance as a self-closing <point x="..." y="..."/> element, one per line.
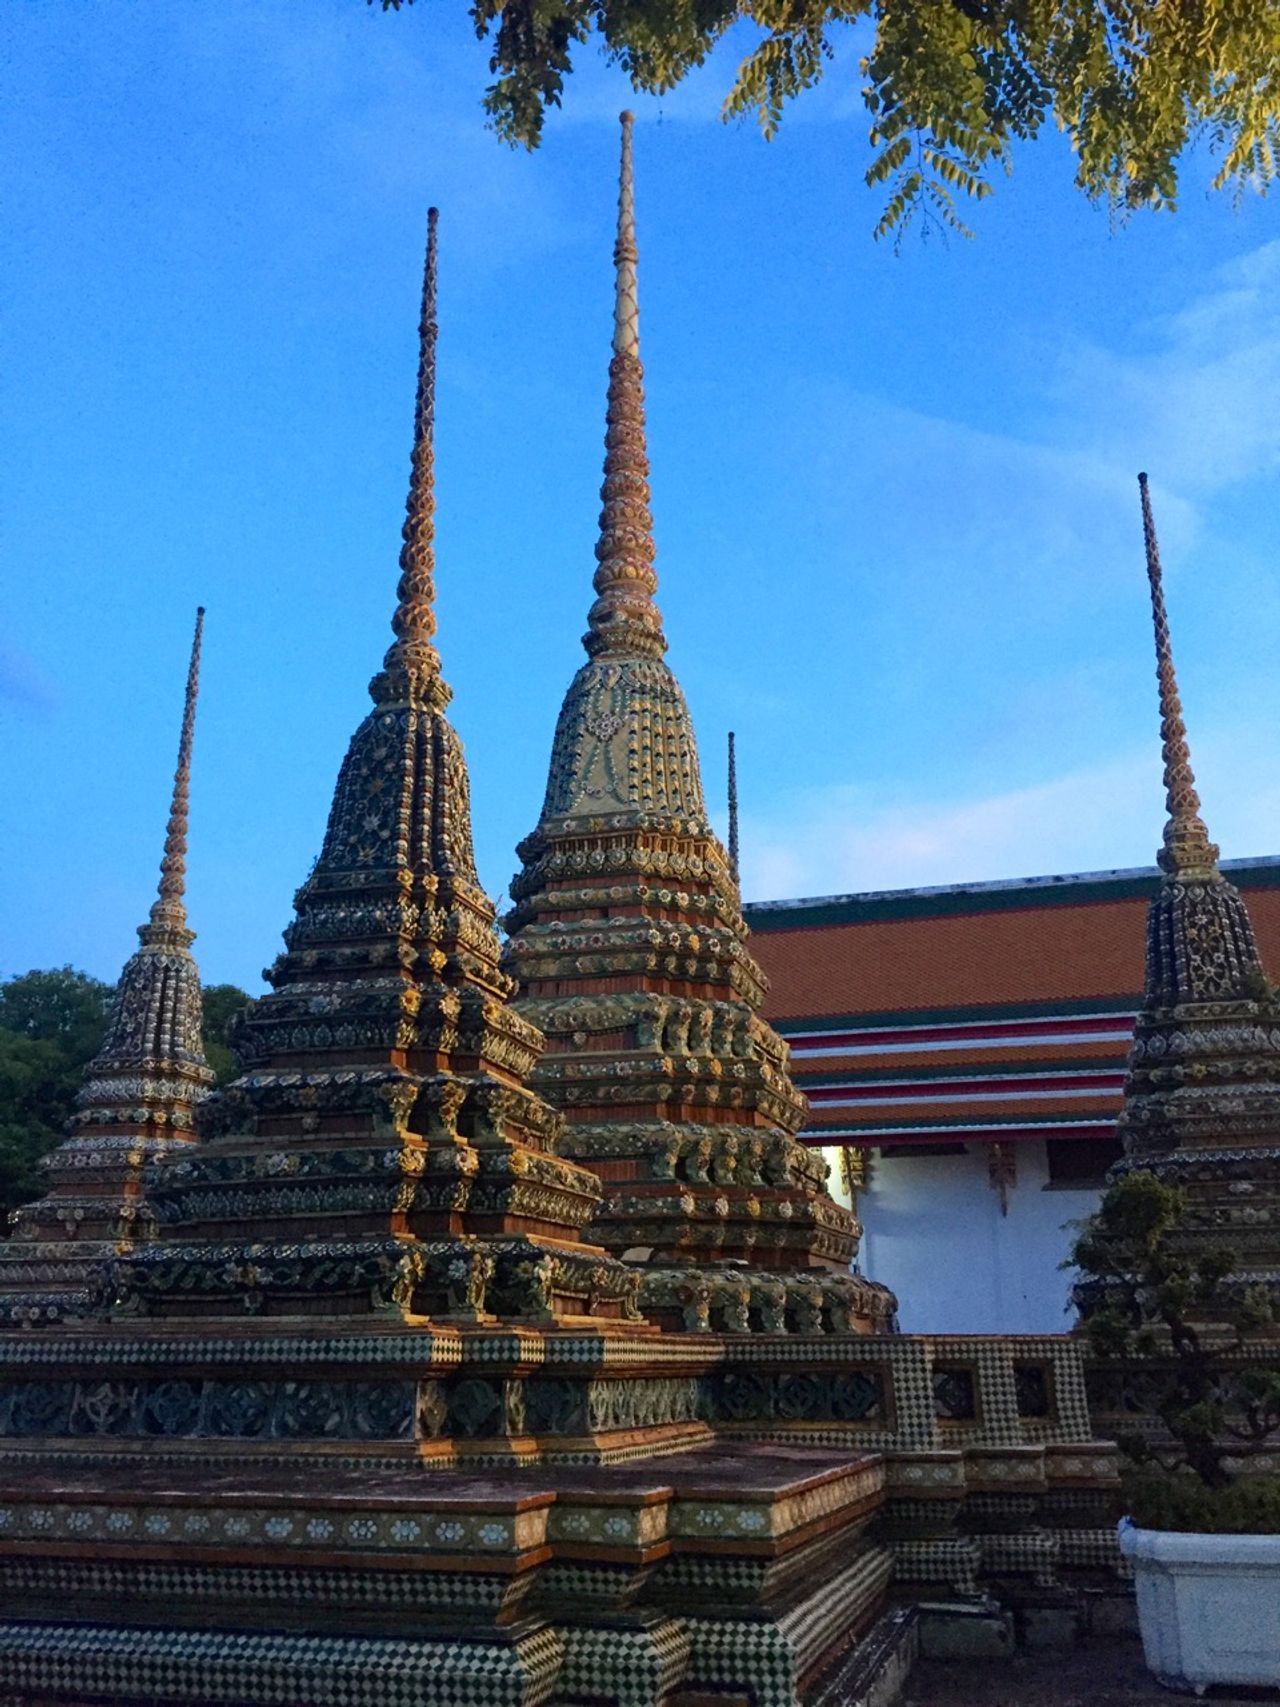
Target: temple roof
<point x="1025" y="944"/>
<point x="624" y="621"/>
<point x="395" y="896"/>
<point x="380" y="1143"/>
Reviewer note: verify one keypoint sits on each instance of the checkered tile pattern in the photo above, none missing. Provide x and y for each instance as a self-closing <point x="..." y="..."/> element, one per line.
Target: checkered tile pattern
<point x="1032" y="1554"/>
<point x="953" y="1563"/>
<point x="626" y="1666"/>
<point x="232" y="1669"/>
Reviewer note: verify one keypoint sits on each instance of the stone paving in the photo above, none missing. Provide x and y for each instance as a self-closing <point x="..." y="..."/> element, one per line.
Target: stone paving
<point x="1104" y="1671"/>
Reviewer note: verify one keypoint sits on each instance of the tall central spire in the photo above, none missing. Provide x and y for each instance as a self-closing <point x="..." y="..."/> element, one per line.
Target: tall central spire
<point x="168" y="911"/>
<point x="624" y="621"/>
<point x="1187" y="850"/>
<point x="627" y="937"/>
<point x="411" y="668"/>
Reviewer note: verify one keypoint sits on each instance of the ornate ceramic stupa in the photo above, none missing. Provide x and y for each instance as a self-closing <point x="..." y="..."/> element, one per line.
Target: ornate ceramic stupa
<point x="1202" y="1101"/>
<point x="381" y="1154"/>
<point x="136" y="1104"/>
<point x="628" y="940"/>
<point x="278" y="1461"/>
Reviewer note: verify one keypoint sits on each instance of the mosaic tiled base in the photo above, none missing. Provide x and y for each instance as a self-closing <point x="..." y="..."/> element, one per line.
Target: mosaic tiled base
<point x="627" y="1664"/>
<point x="751" y="1562"/>
<point x="952" y="1564"/>
<point x="235" y="1668"/>
<point x="146" y="1567"/>
<point x="1032" y="1554"/>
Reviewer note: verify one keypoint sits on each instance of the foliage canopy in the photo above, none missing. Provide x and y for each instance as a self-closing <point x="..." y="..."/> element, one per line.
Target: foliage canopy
<point x="1197" y="1329"/>
<point x="50" y="1026"/>
<point x="950" y="86"/>
<point x="221" y="1005"/>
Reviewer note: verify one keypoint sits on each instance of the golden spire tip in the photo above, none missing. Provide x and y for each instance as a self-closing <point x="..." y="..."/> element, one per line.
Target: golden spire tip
<point x="412" y="664"/>
<point x="623" y="618"/>
<point x="167" y="910"/>
<point x="1187" y="850"/>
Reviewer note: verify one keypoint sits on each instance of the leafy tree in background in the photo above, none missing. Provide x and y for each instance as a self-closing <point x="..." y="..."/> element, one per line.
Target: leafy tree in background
<point x="221" y="1007"/>
<point x="51" y="1026"/>
<point x="950" y="86"/>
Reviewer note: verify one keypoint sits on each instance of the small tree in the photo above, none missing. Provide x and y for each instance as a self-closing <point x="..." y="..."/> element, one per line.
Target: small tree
<point x="51" y="1024"/>
<point x="221" y="1008"/>
<point x="1147" y="1295"/>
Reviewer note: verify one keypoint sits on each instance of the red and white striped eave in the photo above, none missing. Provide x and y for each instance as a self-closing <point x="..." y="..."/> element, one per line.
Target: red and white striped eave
<point x="1104" y="1085"/>
<point x="964" y="1034"/>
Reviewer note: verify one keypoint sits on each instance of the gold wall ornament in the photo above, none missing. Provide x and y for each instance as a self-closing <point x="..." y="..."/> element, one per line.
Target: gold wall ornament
<point x="855" y="1172"/>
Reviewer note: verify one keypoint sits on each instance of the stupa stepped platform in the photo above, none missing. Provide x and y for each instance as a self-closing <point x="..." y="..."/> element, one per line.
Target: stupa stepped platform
<point x="832" y="1473"/>
<point x="634" y="1585"/>
<point x="990" y="1465"/>
<point x="392" y="1393"/>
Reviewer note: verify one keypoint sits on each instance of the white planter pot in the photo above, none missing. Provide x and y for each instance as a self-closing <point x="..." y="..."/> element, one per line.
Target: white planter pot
<point x="1208" y="1606"/>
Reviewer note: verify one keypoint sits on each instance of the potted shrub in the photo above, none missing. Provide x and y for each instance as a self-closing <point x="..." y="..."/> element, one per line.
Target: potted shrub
<point x="1203" y="1524"/>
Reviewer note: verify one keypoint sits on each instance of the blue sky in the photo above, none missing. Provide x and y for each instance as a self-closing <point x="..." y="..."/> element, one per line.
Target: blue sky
<point x="895" y="502"/>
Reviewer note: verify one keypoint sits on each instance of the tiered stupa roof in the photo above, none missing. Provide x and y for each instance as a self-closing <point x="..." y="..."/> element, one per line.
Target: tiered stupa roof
<point x="628" y="940"/>
<point x="1202" y="1099"/>
<point x="381" y="1151"/>
<point x="138" y="1098"/>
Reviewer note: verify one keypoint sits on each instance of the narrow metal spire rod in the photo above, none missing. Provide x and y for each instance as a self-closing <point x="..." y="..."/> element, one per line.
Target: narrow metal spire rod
<point x="733" y="806"/>
<point x="412" y="662"/>
<point x="1187" y="850"/>
<point x="168" y="909"/>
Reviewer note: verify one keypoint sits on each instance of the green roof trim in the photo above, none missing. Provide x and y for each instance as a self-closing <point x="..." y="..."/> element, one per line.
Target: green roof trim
<point x="1072" y="890"/>
<point x="998" y="1013"/>
<point x="886" y="1128"/>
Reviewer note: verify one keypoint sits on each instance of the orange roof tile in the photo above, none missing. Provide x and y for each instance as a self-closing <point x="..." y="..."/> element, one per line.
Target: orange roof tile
<point x="1005" y="945"/>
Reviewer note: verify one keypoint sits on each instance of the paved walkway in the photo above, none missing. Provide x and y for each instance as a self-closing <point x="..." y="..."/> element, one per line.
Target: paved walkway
<point x="1103" y="1671"/>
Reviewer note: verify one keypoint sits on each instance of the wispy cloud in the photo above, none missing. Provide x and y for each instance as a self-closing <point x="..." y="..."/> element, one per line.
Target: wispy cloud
<point x="846" y="838"/>
<point x="1010" y="673"/>
<point x="1196" y="395"/>
<point x="24" y="684"/>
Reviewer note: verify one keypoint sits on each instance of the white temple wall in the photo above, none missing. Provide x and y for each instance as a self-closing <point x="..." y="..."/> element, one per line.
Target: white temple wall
<point x="933" y="1231"/>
